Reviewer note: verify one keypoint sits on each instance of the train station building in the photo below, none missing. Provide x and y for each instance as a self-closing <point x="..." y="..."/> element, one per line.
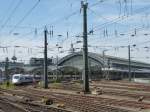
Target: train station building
<point x="71" y="67"/>
<point x="108" y="67"/>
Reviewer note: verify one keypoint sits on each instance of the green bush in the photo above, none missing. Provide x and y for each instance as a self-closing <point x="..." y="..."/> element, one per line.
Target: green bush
<point x="7" y="85"/>
<point x="57" y="81"/>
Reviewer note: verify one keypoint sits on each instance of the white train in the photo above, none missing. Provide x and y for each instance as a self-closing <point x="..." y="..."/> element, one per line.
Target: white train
<point x="20" y="79"/>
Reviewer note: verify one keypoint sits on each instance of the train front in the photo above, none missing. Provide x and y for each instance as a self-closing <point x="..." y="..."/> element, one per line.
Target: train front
<point x="16" y="79"/>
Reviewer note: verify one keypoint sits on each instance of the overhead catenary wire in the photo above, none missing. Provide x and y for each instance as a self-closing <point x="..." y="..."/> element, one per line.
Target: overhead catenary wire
<point x="99" y="27"/>
<point x="7" y="10"/>
<point x="137" y="11"/>
<point x="55" y="22"/>
<point x="25" y="16"/>
<point x="65" y="18"/>
<point x="11" y="14"/>
<point x="118" y="19"/>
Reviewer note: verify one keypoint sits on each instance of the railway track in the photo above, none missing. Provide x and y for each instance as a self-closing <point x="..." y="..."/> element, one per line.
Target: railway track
<point x="83" y="103"/>
<point x="6" y="106"/>
<point x="127" y="94"/>
<point x="13" y="100"/>
<point x="79" y="103"/>
<point x="133" y="104"/>
<point x="96" y="101"/>
<point x="124" y="89"/>
<point x="134" y="91"/>
<point x="123" y="85"/>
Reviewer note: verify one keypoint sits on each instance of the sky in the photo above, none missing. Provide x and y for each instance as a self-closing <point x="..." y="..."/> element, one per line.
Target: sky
<point x="115" y="25"/>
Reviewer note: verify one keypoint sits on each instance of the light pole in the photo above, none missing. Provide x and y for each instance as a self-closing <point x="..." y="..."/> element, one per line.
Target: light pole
<point x="45" y="59"/>
<point x="6" y="71"/>
<point x="57" y="67"/>
<point x="129" y="61"/>
<point x="104" y="64"/>
<point x="129" y="58"/>
<point x="86" y="89"/>
<point x="58" y="47"/>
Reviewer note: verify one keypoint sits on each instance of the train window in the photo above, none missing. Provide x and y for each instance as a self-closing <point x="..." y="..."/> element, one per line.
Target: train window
<point x="21" y="78"/>
<point x="16" y="77"/>
<point x="28" y="78"/>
